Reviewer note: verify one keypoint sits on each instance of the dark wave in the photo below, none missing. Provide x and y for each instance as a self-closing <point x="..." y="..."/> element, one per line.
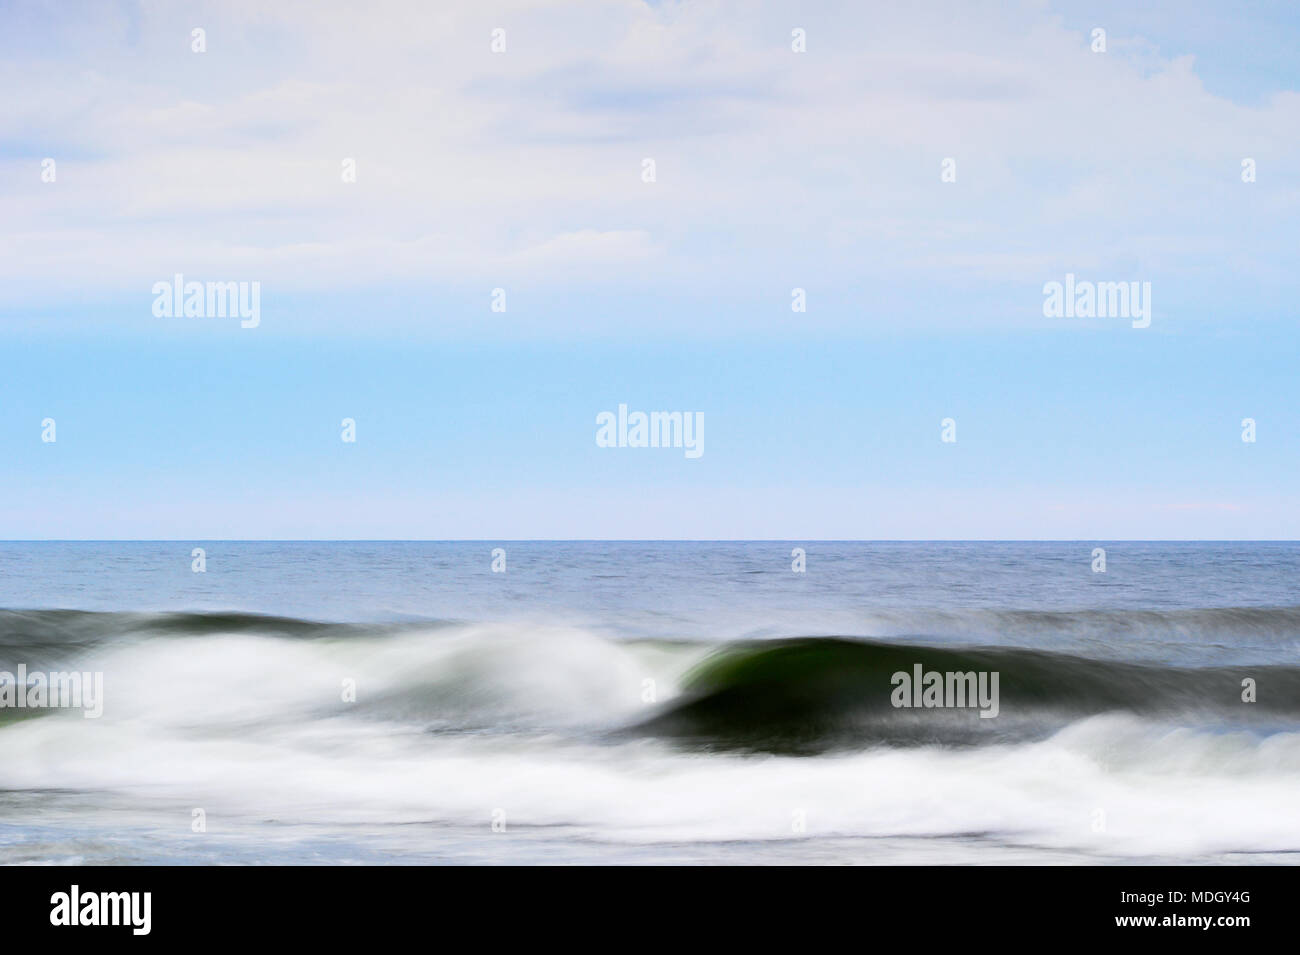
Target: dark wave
<point x="793" y="695"/>
<point x="811" y="694"/>
<point x="66" y="632"/>
<point x="1207" y="622"/>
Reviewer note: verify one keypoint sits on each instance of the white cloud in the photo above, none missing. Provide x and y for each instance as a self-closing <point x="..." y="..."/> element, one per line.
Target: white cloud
<point x="525" y="166"/>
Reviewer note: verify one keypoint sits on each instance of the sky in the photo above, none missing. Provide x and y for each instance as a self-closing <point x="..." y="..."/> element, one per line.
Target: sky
<point x="524" y="171"/>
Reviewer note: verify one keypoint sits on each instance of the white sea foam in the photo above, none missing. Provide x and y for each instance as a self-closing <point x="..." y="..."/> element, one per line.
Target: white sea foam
<point x="454" y="724"/>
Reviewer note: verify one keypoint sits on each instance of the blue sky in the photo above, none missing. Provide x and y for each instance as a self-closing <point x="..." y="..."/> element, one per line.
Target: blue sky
<point x="774" y="170"/>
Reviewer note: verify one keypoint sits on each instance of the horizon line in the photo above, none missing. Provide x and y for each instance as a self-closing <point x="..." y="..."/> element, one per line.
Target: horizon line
<point x="648" y="540"/>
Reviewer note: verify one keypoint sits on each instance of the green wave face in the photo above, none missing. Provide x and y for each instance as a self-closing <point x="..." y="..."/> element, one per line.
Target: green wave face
<point x="813" y="694"/>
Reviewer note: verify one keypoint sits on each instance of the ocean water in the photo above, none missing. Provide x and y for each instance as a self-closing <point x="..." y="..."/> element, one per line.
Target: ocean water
<point x="652" y="702"/>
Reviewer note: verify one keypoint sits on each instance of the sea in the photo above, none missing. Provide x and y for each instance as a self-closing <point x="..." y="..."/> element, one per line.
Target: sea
<point x="656" y="702"/>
